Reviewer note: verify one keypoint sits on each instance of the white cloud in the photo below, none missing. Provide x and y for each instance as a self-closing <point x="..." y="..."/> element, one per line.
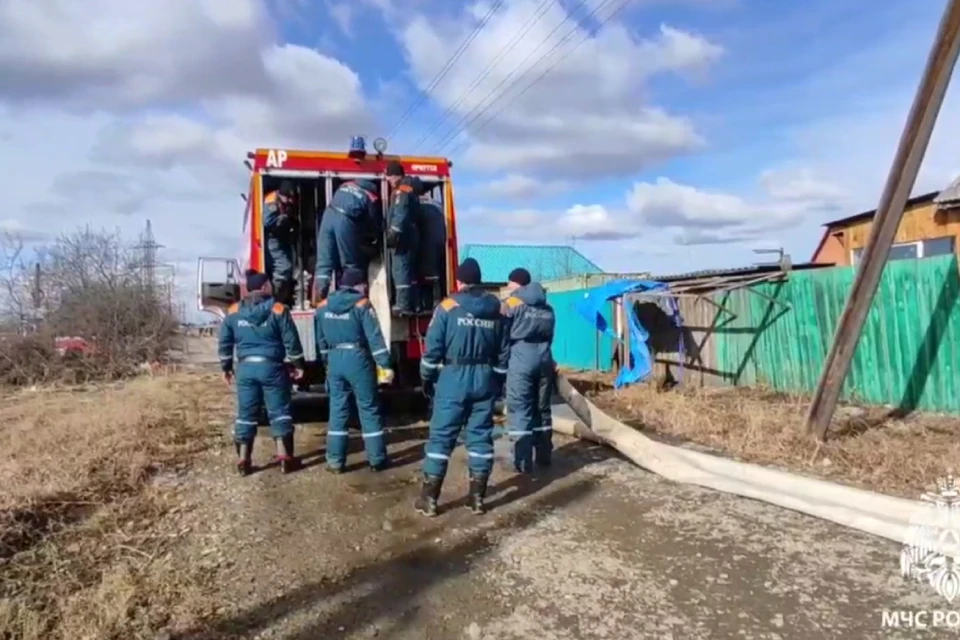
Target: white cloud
<point x="139" y="113"/>
<point x="308" y="100"/>
<point x="595" y="222"/>
<point x="343" y="13"/>
<point x="23" y="232"/>
<point x="515" y="186"/>
<point x="665" y="203"/>
<point x="801" y="185"/>
<point x="691" y="216"/>
<point x="111" y="54"/>
<point x="826" y="148"/>
<point x="588" y="117"/>
<point x="869" y="142"/>
<point x="788" y="198"/>
<point x="584" y="222"/>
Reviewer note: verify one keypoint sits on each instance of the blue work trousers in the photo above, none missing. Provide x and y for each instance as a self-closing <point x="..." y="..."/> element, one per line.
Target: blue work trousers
<point x="529" y="416"/>
<point x="338" y="248"/>
<point x="352" y="373"/>
<point x="405" y="267"/>
<point x="455" y="408"/>
<point x="262" y="384"/>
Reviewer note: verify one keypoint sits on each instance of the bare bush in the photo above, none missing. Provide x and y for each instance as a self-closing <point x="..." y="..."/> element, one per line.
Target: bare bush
<point x="89" y="285"/>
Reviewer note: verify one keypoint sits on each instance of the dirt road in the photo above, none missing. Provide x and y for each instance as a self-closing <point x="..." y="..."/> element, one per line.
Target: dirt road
<point x="594" y="549"/>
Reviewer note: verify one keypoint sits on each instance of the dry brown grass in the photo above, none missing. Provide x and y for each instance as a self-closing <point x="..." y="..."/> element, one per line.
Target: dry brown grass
<point x="866" y="447"/>
<point x="80" y="555"/>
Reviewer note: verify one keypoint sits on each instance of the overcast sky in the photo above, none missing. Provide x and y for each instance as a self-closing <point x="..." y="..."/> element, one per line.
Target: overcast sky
<point x="674" y="135"/>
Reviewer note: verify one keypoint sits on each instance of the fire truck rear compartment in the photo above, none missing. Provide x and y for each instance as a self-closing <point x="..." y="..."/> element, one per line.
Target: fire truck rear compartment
<point x="310" y="203"/>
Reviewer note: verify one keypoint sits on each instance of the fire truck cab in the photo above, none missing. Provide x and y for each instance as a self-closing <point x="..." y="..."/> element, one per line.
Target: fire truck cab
<point x="317" y="175"/>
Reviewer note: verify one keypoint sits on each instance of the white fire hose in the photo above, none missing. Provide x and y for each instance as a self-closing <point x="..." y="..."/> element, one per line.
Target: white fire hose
<point x="866" y="511"/>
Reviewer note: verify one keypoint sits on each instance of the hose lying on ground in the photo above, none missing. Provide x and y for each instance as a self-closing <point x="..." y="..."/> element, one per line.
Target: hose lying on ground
<point x="866" y="511"/>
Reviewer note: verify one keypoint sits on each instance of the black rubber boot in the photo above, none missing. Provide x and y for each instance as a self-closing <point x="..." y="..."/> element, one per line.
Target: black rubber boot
<point x="285" y="454"/>
<point x="244" y="457"/>
<point x="426" y="503"/>
<point x="478" y="491"/>
<point x="525" y="466"/>
<point x="381" y="466"/>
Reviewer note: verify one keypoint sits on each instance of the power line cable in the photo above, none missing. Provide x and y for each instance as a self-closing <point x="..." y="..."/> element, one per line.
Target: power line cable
<point x="457" y="54"/>
<point x="539" y="78"/>
<point x="455" y="131"/>
<point x="540" y="11"/>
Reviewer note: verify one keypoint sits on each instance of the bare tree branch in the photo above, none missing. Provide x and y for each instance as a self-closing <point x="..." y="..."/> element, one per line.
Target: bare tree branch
<point x="89" y="285"/>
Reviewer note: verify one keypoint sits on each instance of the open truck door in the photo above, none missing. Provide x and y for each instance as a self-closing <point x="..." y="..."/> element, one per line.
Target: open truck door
<point x="218" y="285"/>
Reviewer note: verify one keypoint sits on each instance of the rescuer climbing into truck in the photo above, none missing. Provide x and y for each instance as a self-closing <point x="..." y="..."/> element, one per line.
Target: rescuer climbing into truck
<point x="466" y="357"/>
<point x="281" y="225"/>
<point x="530" y="323"/>
<point x="349" y="233"/>
<point x="355" y="355"/>
<point x="403" y="237"/>
<point x="262" y="332"/>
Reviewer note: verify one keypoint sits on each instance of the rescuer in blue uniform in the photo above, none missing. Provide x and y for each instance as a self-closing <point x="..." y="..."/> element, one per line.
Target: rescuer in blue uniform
<point x="352" y="348"/>
<point x="403" y="237"/>
<point x="530" y="325"/>
<point x="465" y="358"/>
<point x="280" y="227"/>
<point x="433" y="236"/>
<point x="349" y="230"/>
<point x="266" y="339"/>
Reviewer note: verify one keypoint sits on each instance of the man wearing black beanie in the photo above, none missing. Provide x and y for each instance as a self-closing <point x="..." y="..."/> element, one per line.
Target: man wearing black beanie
<point x="465" y="357"/>
<point x="265" y="338"/>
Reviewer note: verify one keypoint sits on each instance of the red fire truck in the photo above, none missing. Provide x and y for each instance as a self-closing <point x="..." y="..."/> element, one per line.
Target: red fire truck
<point x="317" y="175"/>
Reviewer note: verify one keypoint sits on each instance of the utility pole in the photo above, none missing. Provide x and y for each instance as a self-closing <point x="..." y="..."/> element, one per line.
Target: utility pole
<point x="900" y="182"/>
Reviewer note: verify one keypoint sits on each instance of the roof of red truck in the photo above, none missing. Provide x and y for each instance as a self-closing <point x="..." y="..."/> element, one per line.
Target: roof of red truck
<point x="343" y="162"/>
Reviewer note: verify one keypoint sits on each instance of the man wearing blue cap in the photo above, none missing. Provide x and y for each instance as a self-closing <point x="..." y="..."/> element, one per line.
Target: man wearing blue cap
<point x="352" y="348"/>
<point x="265" y="338"/>
<point x="466" y="360"/>
<point x="349" y="231"/>
<point x="530" y="323"/>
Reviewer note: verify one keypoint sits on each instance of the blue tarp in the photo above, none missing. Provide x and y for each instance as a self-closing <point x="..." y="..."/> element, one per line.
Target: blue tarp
<point x="591" y="308"/>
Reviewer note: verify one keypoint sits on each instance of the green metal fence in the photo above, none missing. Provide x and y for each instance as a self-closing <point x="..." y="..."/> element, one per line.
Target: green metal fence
<point x="907" y="356"/>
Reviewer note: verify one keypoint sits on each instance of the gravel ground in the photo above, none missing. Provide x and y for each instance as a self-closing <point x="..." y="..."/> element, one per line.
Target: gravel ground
<point x="596" y="548"/>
